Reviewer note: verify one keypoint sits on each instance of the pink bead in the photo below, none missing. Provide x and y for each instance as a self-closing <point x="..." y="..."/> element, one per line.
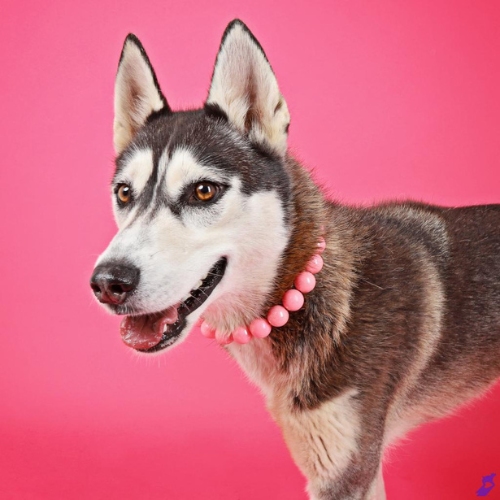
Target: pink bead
<point x="241" y="335"/>
<point x="207" y="331"/>
<point x="321" y="245"/>
<point x="277" y="316"/>
<point x="293" y="300"/>
<point x="305" y="282"/>
<point x="260" y="328"/>
<point x="315" y="264"/>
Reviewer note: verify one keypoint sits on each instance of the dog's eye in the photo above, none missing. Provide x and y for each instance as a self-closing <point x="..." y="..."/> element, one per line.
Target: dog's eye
<point x="124" y="193"/>
<point x="205" y="191"/>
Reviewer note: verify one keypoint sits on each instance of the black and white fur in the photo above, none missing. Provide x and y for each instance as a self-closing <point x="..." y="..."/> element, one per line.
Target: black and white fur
<point x="404" y="324"/>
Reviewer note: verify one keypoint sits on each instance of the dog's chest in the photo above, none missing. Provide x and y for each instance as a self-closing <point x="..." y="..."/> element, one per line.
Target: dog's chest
<point x="258" y="363"/>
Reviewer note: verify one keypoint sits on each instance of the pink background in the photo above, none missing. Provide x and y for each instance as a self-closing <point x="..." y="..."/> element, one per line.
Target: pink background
<point x="388" y="100"/>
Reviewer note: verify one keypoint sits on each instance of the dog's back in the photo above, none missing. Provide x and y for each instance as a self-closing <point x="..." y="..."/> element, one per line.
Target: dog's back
<point x="467" y="357"/>
<point x="425" y="306"/>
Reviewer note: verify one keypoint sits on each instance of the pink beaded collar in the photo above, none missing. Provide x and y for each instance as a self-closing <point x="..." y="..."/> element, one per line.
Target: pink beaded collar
<point x="293" y="300"/>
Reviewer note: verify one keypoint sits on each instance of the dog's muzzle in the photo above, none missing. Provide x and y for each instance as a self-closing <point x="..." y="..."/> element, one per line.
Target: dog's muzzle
<point x="114" y="282"/>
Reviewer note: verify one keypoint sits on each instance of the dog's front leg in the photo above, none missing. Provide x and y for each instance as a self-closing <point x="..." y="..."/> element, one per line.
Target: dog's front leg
<point x="377" y="488"/>
<point x="340" y="456"/>
<point x="344" y="488"/>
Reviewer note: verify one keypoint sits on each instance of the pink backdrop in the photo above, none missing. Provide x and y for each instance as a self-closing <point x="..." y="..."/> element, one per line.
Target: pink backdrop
<point x="388" y="99"/>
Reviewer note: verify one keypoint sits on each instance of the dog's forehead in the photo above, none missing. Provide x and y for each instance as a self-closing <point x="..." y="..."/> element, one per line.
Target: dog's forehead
<point x="175" y="150"/>
<point x="212" y="143"/>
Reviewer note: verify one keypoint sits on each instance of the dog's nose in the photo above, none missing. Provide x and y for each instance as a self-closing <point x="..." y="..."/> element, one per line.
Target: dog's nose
<point x="113" y="282"/>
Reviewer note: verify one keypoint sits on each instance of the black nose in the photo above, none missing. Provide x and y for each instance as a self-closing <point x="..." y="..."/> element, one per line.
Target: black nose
<point x="113" y="282"/>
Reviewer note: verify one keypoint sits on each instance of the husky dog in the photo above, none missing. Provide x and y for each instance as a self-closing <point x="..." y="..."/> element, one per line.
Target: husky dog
<point x="216" y="219"/>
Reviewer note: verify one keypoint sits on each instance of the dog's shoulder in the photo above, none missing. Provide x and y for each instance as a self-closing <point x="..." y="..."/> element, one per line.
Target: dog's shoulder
<point x="438" y="230"/>
<point x="390" y="231"/>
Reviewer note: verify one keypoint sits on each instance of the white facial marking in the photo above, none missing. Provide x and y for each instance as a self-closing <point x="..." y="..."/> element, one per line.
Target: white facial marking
<point x="137" y="170"/>
<point x="175" y="253"/>
<point x="254" y="235"/>
<point x="184" y="169"/>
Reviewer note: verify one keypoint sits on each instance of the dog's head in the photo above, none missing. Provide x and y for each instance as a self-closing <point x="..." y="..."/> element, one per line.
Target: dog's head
<point x="201" y="197"/>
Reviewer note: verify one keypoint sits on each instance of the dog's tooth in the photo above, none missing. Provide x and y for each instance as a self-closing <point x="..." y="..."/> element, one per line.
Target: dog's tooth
<point x="165" y="326"/>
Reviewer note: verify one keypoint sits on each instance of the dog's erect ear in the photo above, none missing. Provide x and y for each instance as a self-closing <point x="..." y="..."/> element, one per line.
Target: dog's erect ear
<point x="245" y="89"/>
<point x="137" y="93"/>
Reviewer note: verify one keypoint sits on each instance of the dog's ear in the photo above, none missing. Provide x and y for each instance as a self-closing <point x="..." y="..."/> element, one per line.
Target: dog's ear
<point x="245" y="89"/>
<point x="137" y="93"/>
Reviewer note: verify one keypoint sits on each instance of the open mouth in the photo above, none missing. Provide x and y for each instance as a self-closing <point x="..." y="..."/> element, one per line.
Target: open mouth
<point x="153" y="332"/>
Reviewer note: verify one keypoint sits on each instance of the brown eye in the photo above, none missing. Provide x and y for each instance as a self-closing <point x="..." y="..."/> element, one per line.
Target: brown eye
<point x="124" y="193"/>
<point x="205" y="191"/>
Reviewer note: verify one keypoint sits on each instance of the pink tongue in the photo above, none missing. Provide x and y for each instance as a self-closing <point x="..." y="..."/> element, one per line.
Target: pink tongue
<point x="144" y="332"/>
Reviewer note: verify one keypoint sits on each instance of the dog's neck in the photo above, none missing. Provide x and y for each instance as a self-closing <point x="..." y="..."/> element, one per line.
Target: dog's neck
<point x="317" y="328"/>
<point x="287" y="359"/>
<point x="308" y="219"/>
<point x="278" y="315"/>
